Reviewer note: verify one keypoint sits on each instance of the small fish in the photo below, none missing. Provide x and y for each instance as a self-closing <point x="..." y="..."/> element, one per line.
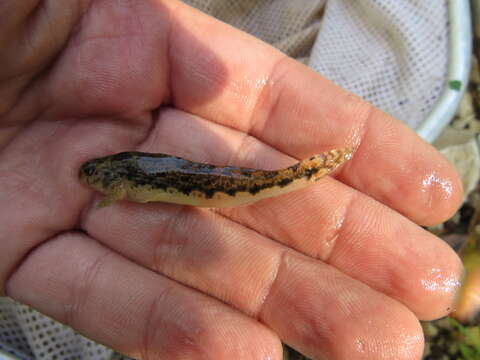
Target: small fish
<point x="144" y="177"/>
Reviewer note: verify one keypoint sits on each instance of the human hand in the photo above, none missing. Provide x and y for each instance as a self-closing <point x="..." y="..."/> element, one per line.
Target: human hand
<point x="339" y="270"/>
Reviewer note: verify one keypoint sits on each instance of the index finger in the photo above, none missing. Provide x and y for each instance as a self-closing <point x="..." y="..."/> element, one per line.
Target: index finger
<point x="295" y="110"/>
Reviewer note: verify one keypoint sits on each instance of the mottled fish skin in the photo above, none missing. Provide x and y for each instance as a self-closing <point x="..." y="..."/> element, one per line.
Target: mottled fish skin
<point x="144" y="177"/>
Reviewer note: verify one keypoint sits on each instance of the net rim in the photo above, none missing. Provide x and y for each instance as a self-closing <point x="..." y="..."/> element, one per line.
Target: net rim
<point x="459" y="64"/>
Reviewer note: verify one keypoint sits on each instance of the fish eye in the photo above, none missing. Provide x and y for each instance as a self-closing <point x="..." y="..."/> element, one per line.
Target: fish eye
<point x="89" y="169"/>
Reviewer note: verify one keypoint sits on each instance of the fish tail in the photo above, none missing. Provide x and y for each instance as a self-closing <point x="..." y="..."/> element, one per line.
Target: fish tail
<point x="322" y="164"/>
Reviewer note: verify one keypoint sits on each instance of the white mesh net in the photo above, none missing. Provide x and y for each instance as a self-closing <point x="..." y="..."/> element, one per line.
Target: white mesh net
<point x="392" y="53"/>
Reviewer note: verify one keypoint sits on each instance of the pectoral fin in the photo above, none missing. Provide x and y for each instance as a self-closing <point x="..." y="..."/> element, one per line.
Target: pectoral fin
<point x="115" y="194"/>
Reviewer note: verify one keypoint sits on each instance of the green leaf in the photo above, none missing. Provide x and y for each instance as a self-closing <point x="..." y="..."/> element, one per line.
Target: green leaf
<point x="455" y="85"/>
<point x="467" y="352"/>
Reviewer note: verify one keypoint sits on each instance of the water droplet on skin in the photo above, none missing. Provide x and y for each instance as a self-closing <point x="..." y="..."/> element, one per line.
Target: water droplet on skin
<point x="434" y="180"/>
<point x="331" y="234"/>
<point x="438" y="281"/>
<point x="406" y="342"/>
<point x="354" y="138"/>
<point x="261" y="81"/>
<point x="410" y="344"/>
<point x="246" y="89"/>
<point x="360" y="346"/>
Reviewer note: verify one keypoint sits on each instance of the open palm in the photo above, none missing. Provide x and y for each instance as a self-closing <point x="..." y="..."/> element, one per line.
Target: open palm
<point x="339" y="270"/>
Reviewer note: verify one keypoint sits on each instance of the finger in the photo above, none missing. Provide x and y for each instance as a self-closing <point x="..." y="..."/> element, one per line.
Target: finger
<point x="288" y="106"/>
<point x="312" y="306"/>
<point x="133" y="310"/>
<point x="328" y="220"/>
<point x="383" y="328"/>
<point x="45" y="197"/>
<point x="32" y="33"/>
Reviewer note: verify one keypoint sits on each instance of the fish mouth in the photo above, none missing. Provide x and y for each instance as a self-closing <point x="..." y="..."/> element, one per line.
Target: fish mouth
<point x="87" y="170"/>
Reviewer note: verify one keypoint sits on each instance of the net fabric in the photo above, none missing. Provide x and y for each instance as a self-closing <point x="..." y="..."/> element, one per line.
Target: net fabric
<point x="291" y="26"/>
<point x="27" y="334"/>
<point x="392" y="53"/>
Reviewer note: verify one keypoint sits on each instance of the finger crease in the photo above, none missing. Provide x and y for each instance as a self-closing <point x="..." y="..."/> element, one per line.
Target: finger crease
<point x="153" y="323"/>
<point x="340" y="229"/>
<point x="80" y="290"/>
<point x="158" y="264"/>
<point x="271" y="94"/>
<point x="271" y="285"/>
